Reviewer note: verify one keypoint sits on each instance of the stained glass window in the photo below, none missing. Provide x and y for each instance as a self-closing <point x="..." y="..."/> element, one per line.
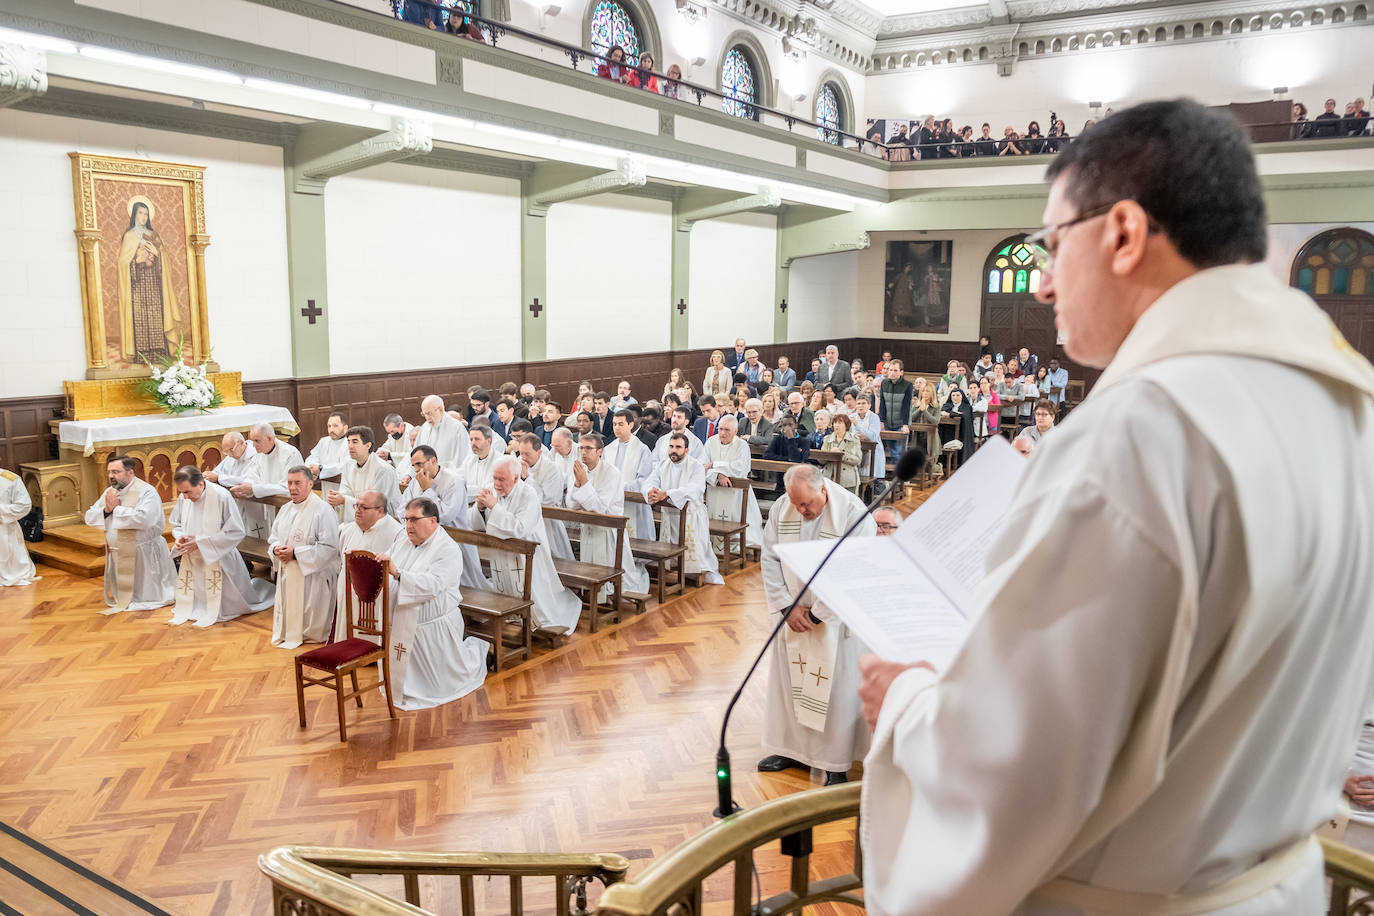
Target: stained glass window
<point x="1013" y="270"/>
<point x="829" y="115"/>
<point x="738" y="83"/>
<point x="612" y="25"/>
<point x="1336" y="263"/>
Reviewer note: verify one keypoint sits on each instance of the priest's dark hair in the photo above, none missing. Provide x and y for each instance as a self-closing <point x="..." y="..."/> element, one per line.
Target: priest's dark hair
<point x="484" y="429"/>
<point x="364" y="433"/>
<point x="427" y="507"/>
<point x="481" y="394"/>
<point x="1191" y="169"/>
<point x="677" y="436"/>
<point x="595" y="438"/>
<point x="340" y="414"/>
<point x="189" y="473"/>
<point x="303" y="471"/>
<point x="425" y="450"/>
<point x="128" y="463"/>
<point x="532" y="441"/>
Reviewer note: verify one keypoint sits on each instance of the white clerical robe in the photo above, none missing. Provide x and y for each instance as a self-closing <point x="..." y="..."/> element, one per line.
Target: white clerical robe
<point x="330" y="455"/>
<point x="217" y="539"/>
<point x="685" y="483"/>
<point x="604" y="493"/>
<point x="272" y="468"/>
<point x="231" y="472"/>
<point x="135" y="551"/>
<point x="1180" y="696"/>
<point x="449" y="440"/>
<point x="432" y="661"/>
<point x="635" y="462"/>
<point x="305" y="584"/>
<point x="732" y="460"/>
<point x="844" y="737"/>
<point x="549" y="476"/>
<point x="477" y="472"/>
<point x="16" y="567"/>
<point x="449" y="491"/>
<point x="373" y="474"/>
<point x="397" y="449"/>
<point x="378" y="540"/>
<point x="517" y="515"/>
<point x="694" y="447"/>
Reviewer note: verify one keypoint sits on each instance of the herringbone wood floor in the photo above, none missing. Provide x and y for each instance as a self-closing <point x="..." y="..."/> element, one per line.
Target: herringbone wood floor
<point x="170" y="757"/>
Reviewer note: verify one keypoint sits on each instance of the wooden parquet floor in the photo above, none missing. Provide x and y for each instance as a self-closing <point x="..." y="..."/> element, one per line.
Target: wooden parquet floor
<point x="169" y="758"/>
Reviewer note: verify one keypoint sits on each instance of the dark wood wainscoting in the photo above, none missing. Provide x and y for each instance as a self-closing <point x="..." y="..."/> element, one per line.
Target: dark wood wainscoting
<point x="24" y="431"/>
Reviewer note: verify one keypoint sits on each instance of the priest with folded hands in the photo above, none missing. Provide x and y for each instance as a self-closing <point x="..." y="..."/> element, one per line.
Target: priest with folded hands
<point x="448" y="489"/>
<point x="305" y="553"/>
<point x="213" y="584"/>
<point x="139" y="575"/>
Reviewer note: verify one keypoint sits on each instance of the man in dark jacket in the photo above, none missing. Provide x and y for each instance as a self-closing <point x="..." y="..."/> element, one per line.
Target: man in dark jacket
<point x="894" y="403"/>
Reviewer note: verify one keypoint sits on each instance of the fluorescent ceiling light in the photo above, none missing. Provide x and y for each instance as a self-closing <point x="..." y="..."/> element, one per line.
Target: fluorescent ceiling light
<point x="31" y="40"/>
<point x="415" y="114"/>
<point x="303" y="92"/>
<point x="162" y="66"/>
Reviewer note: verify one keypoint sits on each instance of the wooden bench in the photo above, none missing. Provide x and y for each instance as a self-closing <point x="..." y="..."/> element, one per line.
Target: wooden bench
<point x="767" y="486"/>
<point x="661" y="557"/>
<point x="587" y="578"/>
<point x="489" y="612"/>
<point x="253" y="549"/>
<point x="733" y="531"/>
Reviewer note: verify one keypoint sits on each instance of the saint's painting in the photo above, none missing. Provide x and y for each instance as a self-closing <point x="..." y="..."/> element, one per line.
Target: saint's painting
<point x="147" y="298"/>
<point x="916" y="292"/>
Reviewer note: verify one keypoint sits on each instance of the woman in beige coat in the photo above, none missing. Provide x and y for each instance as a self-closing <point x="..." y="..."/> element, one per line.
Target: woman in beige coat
<point x="719" y="380"/>
<point x="841" y="438"/>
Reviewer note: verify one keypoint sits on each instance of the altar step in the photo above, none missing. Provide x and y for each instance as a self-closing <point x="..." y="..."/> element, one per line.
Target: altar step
<point x="75" y="548"/>
<point x="38" y="879"/>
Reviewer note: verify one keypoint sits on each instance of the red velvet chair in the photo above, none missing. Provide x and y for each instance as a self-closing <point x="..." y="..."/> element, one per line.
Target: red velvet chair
<point x="364" y="584"/>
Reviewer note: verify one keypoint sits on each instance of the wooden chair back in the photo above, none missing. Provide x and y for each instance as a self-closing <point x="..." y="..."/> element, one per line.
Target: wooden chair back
<point x="367" y="600"/>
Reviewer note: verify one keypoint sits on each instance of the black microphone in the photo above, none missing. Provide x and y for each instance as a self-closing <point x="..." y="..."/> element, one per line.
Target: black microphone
<point x="908" y="466"/>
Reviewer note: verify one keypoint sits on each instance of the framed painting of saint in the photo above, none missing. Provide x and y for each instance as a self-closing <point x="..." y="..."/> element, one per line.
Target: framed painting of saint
<point x="917" y="286"/>
<point x="141" y="239"/>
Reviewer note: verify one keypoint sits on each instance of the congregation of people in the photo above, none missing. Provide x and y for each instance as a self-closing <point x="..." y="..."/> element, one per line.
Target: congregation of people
<point x="1352" y="122"/>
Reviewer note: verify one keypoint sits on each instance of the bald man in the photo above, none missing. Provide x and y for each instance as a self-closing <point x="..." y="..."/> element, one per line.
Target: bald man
<point x="239" y="465"/>
<point x="441" y="432"/>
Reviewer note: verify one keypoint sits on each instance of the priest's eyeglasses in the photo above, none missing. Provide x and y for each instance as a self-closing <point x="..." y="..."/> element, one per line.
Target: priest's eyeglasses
<point x="414" y="518"/>
<point x="1045" y="243"/>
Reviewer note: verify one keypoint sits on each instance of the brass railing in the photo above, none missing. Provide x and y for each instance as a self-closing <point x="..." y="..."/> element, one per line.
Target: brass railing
<point x="1352" y="879"/>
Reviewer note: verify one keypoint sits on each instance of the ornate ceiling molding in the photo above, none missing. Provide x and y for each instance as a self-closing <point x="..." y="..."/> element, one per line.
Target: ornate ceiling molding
<point x="23" y="73"/>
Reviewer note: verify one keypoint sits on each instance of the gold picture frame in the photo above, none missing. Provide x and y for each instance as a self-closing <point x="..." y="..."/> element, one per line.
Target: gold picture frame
<point x="141" y="240"/>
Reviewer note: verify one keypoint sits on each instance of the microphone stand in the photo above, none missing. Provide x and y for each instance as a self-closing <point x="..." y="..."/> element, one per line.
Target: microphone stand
<point x="906" y="469"/>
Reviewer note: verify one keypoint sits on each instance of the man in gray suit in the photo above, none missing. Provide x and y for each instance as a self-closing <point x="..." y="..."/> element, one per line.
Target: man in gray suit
<point x="833" y="370"/>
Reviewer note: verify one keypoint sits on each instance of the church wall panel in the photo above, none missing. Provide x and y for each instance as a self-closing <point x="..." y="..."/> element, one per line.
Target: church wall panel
<point x="820" y="296"/>
<point x="40" y="302"/>
<point x="732" y="281"/>
<point x="451" y="270"/>
<point x="609" y="276"/>
<point x="24" y="431"/>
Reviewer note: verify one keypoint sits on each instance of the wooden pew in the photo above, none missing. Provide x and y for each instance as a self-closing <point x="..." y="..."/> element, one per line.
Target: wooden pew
<point x="733" y="531"/>
<point x="488" y="612"/>
<point x="661" y="556"/>
<point x="255" y="549"/>
<point x="587" y="578"/>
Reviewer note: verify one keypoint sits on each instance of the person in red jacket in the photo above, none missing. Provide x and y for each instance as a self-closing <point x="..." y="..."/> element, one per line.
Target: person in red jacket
<point x="614" y="68"/>
<point x="647" y="80"/>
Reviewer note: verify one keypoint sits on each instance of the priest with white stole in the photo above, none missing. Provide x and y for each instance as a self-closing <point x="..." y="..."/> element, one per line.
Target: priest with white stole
<point x="395" y="448"/>
<point x="16" y="567"/>
<point x="139" y="575"/>
<point x="330" y="454"/>
<point x="728" y="455"/>
<point x="680" y="481"/>
<point x="373" y="529"/>
<point x="1163" y="727"/>
<point x="448" y="490"/>
<point x="432" y="661"/>
<point x="595" y="486"/>
<point x="541" y="468"/>
<point x="635" y="462"/>
<point x="305" y="554"/>
<point x="443" y="433"/>
<point x="239" y="464"/>
<point x="680" y="421"/>
<point x="364" y="470"/>
<point x="213" y="582"/>
<point x="812" y="717"/>
<point x="479" y="462"/>
<point x="275" y="458"/>
<point x="510" y="508"/>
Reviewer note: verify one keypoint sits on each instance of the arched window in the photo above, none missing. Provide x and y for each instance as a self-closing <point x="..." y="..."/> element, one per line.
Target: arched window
<point x="829" y="114"/>
<point x="739" y="84"/>
<point x="1012" y="316"/>
<point x="1012" y="270"/>
<point x="1336" y="268"/>
<point x="612" y="24"/>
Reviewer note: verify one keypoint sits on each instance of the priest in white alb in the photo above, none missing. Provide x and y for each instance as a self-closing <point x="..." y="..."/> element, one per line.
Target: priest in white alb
<point x="443" y="433"/>
<point x="680" y="481"/>
<point x="395" y="448"/>
<point x="213" y="583"/>
<point x="510" y="508"/>
<point x="16" y="567"/>
<point x="239" y="464"/>
<point x="728" y="455"/>
<point x="680" y="421"/>
<point x="305" y="553"/>
<point x="812" y="717"/>
<point x="329" y="455"/>
<point x="595" y="486"/>
<point x="544" y="470"/>
<point x="139" y="574"/>
<point x="275" y="458"/>
<point x="364" y="470"/>
<point x="447" y="489"/>
<point x="1162" y="728"/>
<point x="478" y="464"/>
<point x="635" y="462"/>
<point x="433" y="661"/>
<point x="373" y="529"/>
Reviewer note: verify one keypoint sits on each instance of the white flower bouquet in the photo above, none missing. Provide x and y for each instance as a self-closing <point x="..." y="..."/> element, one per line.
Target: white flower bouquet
<point x="177" y="387"/>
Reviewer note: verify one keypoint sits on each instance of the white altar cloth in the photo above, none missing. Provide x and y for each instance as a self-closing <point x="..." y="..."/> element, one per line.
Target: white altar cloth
<point x="89" y="435"/>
